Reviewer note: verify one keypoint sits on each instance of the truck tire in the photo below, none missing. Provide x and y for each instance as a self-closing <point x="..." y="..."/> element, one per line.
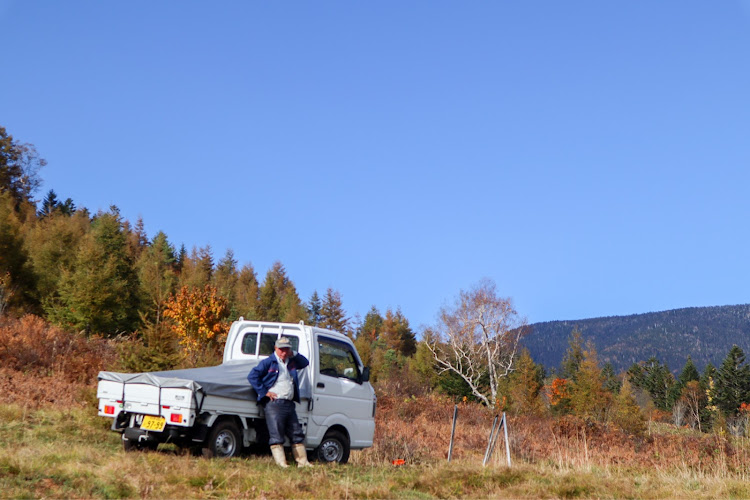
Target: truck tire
<point x="333" y="448"/>
<point x="224" y="440"/>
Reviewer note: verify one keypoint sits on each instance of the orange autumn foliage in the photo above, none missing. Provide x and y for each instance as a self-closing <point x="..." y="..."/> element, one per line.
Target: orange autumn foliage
<point x="199" y="318"/>
<point x="558" y="391"/>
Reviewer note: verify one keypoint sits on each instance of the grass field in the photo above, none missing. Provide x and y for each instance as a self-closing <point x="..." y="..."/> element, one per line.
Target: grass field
<point x="55" y="449"/>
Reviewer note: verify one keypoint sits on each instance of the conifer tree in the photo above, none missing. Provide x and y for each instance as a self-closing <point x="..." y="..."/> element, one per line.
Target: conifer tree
<point x="100" y="294"/>
<point x="292" y="308"/>
<point x="49" y="204"/>
<point x="732" y="382"/>
<point x="157" y="276"/>
<point x="525" y="385"/>
<point x="225" y="280"/>
<point x="573" y="356"/>
<point x="52" y="244"/>
<point x="313" y="310"/>
<point x="373" y="325"/>
<point x="689" y="373"/>
<point x="368" y="335"/>
<point x="588" y="398"/>
<point x="656" y="379"/>
<point x="136" y="237"/>
<point x="627" y="415"/>
<point x="332" y="314"/>
<point x="611" y="382"/>
<point x="197" y="269"/>
<point x="247" y="293"/>
<point x="278" y="299"/>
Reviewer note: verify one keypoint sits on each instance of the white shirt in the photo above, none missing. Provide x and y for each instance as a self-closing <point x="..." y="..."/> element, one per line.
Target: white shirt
<point x="284" y="386"/>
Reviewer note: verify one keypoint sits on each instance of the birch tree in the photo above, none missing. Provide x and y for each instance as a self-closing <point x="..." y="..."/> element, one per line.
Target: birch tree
<point x="477" y="339"/>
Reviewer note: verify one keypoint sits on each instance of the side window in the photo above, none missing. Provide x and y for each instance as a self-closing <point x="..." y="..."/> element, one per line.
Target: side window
<point x="249" y="342"/>
<point x="337" y="359"/>
<point x="267" y="341"/>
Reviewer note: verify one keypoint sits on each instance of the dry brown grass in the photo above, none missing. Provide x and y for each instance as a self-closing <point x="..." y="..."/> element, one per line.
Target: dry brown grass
<point x="44" y="365"/>
<point x="31" y="345"/>
<point x="418" y="431"/>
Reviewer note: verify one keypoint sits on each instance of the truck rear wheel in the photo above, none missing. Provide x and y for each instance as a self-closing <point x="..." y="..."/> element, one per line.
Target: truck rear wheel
<point x="333" y="448"/>
<point x="224" y="441"/>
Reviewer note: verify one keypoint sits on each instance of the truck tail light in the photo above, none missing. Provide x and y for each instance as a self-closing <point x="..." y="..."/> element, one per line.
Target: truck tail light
<point x="109" y="410"/>
<point x="175" y="417"/>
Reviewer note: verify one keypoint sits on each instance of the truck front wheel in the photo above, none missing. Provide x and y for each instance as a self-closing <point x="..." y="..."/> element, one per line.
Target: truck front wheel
<point x="333" y="448"/>
<point x="224" y="441"/>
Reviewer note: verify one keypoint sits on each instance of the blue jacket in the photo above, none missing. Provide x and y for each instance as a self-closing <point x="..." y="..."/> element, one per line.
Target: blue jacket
<point x="264" y="375"/>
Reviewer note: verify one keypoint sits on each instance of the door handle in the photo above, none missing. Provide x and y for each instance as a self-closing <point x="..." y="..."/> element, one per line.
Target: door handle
<point x="320" y="385"/>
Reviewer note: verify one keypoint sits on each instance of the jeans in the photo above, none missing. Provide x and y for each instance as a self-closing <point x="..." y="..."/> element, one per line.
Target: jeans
<point x="281" y="419"/>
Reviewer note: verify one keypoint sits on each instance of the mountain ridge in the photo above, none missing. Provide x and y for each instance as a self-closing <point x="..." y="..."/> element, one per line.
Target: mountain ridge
<point x="704" y="333"/>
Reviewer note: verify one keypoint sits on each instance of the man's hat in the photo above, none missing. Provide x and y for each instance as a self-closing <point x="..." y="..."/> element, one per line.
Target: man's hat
<point x="283" y="342"/>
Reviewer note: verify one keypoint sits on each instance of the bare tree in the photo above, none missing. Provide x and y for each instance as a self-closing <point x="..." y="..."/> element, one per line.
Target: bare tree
<point x="694" y="399"/>
<point x="478" y="339"/>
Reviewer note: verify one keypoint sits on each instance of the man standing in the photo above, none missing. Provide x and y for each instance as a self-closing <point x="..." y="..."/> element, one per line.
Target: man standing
<point x="276" y="382"/>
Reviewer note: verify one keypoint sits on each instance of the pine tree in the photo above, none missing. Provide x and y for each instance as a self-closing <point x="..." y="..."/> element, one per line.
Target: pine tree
<point x="136" y="238"/>
<point x="52" y="243"/>
<point x="225" y="280"/>
<point x="313" y="310"/>
<point x="368" y="335"/>
<point x="373" y="325"/>
<point x="157" y="276"/>
<point x="626" y="413"/>
<point x="332" y="314"/>
<point x="689" y="373"/>
<point x="197" y="269"/>
<point x="573" y="356"/>
<point x="247" y="293"/>
<point x="525" y="386"/>
<point x="656" y="379"/>
<point x="588" y="398"/>
<point x="732" y="382"/>
<point x="278" y="299"/>
<point x="49" y="204"/>
<point x="100" y="294"/>
<point x="611" y="382"/>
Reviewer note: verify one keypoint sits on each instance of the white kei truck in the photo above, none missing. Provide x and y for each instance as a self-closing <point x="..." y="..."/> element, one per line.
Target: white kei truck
<point x="214" y="409"/>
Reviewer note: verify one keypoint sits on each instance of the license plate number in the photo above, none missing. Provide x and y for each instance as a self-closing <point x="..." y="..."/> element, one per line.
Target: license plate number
<point x="151" y="423"/>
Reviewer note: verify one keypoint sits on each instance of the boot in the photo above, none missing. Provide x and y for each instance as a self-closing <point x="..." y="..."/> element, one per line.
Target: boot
<point x="300" y="455"/>
<point x="277" y="451"/>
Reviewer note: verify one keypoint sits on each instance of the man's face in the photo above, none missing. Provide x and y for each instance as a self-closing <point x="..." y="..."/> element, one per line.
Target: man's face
<point x="283" y="353"/>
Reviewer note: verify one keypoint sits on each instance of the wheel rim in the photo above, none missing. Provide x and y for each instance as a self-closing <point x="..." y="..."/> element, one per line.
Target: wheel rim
<point x="225" y="444"/>
<point x="331" y="450"/>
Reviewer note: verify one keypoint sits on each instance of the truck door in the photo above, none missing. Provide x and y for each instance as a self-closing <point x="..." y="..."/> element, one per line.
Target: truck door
<point x="339" y="395"/>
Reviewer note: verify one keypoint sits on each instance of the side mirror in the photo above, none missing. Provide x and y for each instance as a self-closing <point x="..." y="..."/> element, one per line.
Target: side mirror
<point x="366" y="374"/>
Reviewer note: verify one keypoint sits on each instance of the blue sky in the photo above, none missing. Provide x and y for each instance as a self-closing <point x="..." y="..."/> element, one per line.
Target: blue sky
<point x="590" y="157"/>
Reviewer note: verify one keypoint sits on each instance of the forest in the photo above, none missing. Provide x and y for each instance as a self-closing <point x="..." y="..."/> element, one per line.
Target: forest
<point x="81" y="292"/>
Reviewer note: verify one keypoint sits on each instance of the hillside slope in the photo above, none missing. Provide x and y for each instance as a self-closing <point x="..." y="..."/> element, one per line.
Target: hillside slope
<point x="705" y="333"/>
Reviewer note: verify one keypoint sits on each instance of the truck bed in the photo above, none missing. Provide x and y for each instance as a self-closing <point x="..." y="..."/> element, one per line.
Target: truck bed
<point x="222" y="388"/>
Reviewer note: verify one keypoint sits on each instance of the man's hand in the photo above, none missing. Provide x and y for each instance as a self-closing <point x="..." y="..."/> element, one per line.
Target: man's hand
<point x="271" y="395"/>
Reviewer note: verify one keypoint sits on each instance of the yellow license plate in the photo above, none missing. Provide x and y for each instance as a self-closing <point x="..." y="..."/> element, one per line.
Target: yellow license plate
<point x="151" y="423"/>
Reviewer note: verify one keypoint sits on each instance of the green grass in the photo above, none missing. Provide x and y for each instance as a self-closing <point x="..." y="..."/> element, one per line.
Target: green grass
<point x="71" y="453"/>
